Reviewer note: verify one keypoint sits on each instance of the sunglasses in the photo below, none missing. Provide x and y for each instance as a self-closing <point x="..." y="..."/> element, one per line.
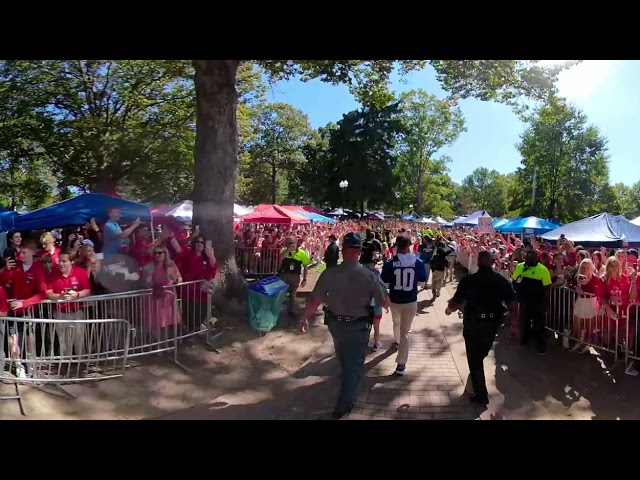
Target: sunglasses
<point x="200" y="241"/>
<point x="158" y="253"/>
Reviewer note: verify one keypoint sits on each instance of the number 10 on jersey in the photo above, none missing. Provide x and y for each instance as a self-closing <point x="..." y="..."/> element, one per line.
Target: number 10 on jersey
<point x="404" y="279"/>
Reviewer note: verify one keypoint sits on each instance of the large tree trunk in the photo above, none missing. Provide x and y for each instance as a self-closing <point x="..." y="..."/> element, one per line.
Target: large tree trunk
<point x="216" y="158"/>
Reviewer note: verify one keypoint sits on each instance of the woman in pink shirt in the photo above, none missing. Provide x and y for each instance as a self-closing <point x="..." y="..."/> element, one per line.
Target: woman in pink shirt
<point x="159" y="307"/>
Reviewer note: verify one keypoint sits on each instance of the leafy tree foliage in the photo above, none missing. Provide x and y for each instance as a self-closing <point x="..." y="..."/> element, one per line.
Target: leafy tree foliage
<point x="275" y="152"/>
<point x="428" y="124"/>
<point x="570" y="160"/>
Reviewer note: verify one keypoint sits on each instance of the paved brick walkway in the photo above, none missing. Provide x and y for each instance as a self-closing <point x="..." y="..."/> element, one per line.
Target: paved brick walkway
<point x="432" y="387"/>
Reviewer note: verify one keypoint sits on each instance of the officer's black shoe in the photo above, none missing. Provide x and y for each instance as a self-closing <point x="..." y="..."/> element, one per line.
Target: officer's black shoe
<point x="338" y="414"/>
<point x="484" y="401"/>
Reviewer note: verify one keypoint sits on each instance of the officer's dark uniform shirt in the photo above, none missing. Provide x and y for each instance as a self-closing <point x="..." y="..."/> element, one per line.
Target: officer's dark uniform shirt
<point x="439" y="261"/>
<point x="483" y="293"/>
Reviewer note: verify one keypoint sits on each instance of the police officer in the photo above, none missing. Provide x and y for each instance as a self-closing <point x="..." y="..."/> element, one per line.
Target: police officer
<point x="347" y="290"/>
<point x="482" y="295"/>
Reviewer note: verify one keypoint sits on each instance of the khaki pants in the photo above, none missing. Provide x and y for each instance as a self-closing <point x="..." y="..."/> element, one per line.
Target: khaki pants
<point x="436" y="282"/>
<point x="70" y="335"/>
<point x="403" y="314"/>
<point x="452" y="266"/>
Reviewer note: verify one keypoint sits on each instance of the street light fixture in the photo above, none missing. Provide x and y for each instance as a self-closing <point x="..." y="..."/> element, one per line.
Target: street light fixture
<point x="343" y="186"/>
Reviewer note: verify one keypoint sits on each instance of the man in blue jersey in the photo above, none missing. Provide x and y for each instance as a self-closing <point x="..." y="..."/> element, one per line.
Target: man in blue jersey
<point x="402" y="274"/>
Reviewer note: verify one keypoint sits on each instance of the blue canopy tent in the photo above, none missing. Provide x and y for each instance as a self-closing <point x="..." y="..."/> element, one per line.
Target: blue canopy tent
<point x="498" y="222"/>
<point x="314" y="217"/>
<point x="471" y="220"/>
<point x="532" y="225"/>
<point x="81" y="209"/>
<point x="602" y="230"/>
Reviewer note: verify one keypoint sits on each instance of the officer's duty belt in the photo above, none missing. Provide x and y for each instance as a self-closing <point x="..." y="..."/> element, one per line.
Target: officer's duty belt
<point x="347" y="318"/>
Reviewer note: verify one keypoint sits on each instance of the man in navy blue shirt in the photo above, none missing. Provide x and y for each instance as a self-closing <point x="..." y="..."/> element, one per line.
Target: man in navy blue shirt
<point x="402" y="274"/>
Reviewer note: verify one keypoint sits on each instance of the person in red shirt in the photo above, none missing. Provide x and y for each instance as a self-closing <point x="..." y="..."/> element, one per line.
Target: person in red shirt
<point x="586" y="308"/>
<point x="49" y="248"/>
<point x="4" y="309"/>
<point x="197" y="263"/>
<point x="142" y="249"/>
<point x="618" y="291"/>
<point x="66" y="284"/>
<point x="25" y="282"/>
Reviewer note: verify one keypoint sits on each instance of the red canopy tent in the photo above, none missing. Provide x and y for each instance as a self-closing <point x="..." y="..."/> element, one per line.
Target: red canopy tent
<point x="274" y="214"/>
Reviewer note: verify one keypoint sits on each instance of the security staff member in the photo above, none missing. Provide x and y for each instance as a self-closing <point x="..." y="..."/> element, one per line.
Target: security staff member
<point x="482" y="295"/>
<point x="532" y="281"/>
<point x="294" y="262"/>
<point x="347" y="290"/>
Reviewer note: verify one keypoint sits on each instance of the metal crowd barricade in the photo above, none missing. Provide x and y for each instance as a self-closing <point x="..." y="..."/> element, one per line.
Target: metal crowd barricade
<point x="54" y="352"/>
<point x="258" y="261"/>
<point x="160" y="318"/>
<point x="599" y="332"/>
<point x="632" y="352"/>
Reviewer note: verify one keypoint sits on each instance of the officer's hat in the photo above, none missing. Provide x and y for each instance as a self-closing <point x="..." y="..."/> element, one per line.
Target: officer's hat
<point x="352" y="240"/>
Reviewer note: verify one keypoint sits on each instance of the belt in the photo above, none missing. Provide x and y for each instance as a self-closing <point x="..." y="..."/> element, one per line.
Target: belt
<point x="485" y="315"/>
<point x="347" y="318"/>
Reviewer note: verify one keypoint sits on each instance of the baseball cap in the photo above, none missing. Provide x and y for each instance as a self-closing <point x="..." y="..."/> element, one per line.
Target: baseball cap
<point x="87" y="242"/>
<point x="352" y="240"/>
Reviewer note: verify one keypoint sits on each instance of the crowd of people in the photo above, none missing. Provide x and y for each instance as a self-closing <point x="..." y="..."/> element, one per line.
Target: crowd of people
<point x="65" y="266"/>
<point x="604" y="280"/>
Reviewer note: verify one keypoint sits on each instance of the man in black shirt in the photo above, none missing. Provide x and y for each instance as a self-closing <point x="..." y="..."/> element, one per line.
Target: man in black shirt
<point x="371" y="247"/>
<point x="483" y="296"/>
<point x="332" y="253"/>
<point x="439" y="263"/>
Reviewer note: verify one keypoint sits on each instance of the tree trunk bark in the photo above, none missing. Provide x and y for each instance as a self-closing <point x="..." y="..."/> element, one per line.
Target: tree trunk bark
<point x="216" y="159"/>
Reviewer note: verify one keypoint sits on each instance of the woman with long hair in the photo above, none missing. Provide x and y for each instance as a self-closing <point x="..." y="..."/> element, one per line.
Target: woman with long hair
<point x="196" y="263"/>
<point x="618" y="291"/>
<point x="598" y="263"/>
<point x="160" y="306"/>
<point x="621" y="255"/>
<point x="586" y="308"/>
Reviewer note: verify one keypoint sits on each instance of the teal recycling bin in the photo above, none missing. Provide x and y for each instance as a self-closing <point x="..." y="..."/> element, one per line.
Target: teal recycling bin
<point x="265" y="302"/>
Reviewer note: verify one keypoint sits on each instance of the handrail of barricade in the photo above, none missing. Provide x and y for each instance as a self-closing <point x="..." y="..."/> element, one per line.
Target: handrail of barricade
<point x="258" y="261"/>
<point x="63" y="351"/>
<point x="582" y="319"/>
<point x="160" y="318"/>
<point x="632" y="353"/>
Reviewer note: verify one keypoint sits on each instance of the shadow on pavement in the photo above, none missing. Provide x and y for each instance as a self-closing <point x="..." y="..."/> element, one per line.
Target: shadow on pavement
<point x="568" y="384"/>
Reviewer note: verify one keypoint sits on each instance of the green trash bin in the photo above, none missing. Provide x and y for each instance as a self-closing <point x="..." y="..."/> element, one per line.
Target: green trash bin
<point x="265" y="303"/>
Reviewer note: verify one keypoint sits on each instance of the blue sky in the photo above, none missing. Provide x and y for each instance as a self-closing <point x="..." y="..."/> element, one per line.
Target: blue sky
<point x="606" y="90"/>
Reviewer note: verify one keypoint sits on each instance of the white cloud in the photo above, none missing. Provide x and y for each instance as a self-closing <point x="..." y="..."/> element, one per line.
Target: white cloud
<point x="582" y="81"/>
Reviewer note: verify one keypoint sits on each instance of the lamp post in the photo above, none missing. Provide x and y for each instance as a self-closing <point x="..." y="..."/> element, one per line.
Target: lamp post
<point x="343" y="187"/>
